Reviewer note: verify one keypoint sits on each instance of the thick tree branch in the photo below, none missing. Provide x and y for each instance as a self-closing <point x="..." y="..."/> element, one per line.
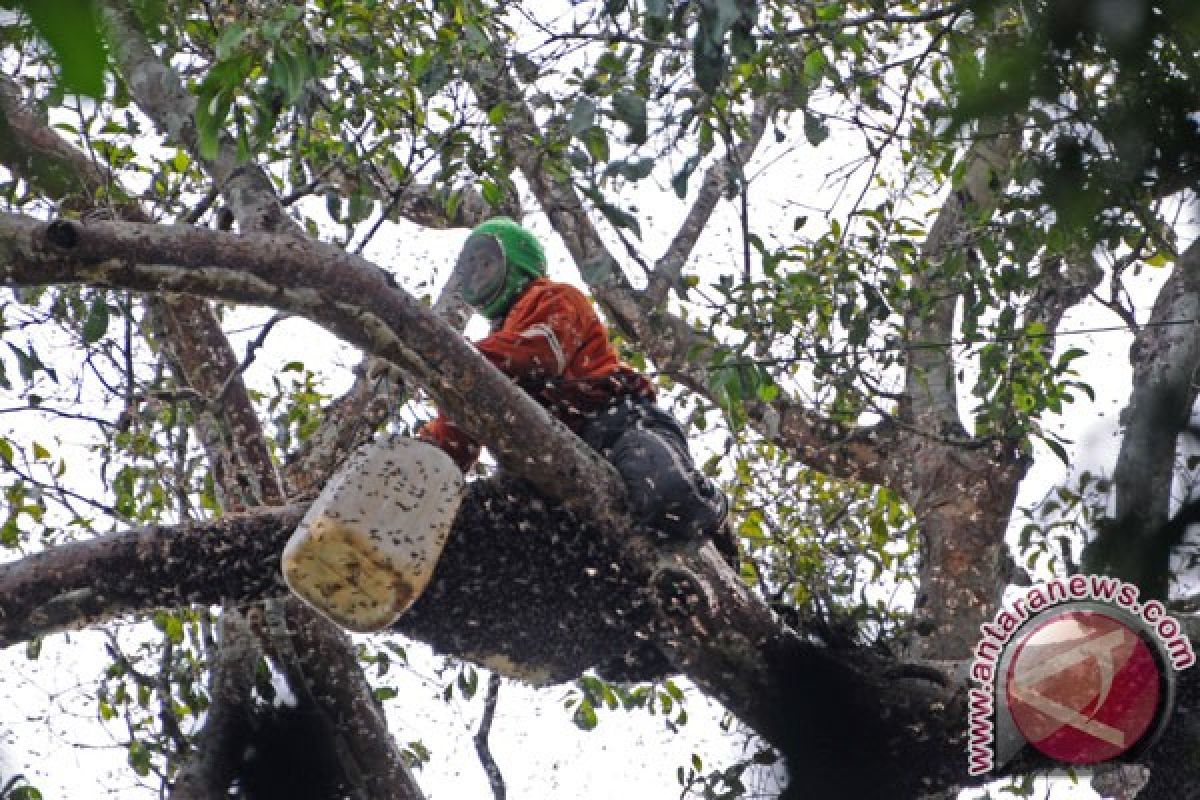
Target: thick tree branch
<point x="718" y="180"/>
<point x="343" y="292"/>
<point x="231" y="684"/>
<point x="962" y="496"/>
<point x="1166" y="359"/>
<point x="930" y="383"/>
<point x="854" y="725"/>
<point x="326" y="669"/>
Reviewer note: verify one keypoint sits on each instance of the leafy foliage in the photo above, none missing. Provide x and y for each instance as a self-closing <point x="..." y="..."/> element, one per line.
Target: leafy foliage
<point x="1112" y="87"/>
<point x="68" y="27"/>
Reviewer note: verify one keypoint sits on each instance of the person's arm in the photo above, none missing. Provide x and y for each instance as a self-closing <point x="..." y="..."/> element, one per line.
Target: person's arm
<point x="443" y="433"/>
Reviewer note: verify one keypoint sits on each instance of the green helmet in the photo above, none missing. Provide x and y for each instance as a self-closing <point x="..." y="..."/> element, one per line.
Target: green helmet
<point x="499" y="259"/>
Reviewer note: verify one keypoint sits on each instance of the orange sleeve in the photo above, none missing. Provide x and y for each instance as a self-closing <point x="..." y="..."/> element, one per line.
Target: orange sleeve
<point x="539" y="337"/>
<point x="443" y="433"/>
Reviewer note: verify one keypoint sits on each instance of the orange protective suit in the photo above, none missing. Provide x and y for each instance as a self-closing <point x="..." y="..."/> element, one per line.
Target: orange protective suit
<point x="555" y="347"/>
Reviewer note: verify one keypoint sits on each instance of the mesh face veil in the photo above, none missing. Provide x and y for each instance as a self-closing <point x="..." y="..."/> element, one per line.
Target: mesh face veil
<point x="483" y="268"/>
<point x="493" y="278"/>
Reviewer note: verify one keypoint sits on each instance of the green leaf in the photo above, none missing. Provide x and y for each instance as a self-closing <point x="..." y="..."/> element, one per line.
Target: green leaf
<point x="359" y="208"/>
<point x="152" y="13"/>
<point x="497" y="113"/>
<point x="96" y="324"/>
<point x="679" y="182"/>
<point x="830" y="12"/>
<point x="634" y="169"/>
<point x="815" y="63"/>
<point x="139" y="758"/>
<point x="527" y="69"/>
<point x="621" y="218"/>
<point x="210" y="121"/>
<point x="434" y="77"/>
<point x="491" y="192"/>
<point x="174" y="629"/>
<point x="708" y="61"/>
<point x="656" y="19"/>
<point x="630" y="108"/>
<point x="333" y="204"/>
<point x="229" y="40"/>
<point x="468" y="682"/>
<point x="815" y="129"/>
<point x="296" y="68"/>
<point x="595" y="139"/>
<point x="585" y="716"/>
<point x="69" y="28"/>
<point x="1058" y="450"/>
<point x="29" y="364"/>
<point x="24" y="793"/>
<point x="583" y="116"/>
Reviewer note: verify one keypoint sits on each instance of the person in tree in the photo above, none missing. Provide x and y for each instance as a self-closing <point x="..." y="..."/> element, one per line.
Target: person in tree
<point x="547" y="337"/>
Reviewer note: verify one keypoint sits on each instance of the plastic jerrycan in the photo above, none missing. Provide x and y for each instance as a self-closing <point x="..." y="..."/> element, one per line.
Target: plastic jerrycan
<point x="367" y="547"/>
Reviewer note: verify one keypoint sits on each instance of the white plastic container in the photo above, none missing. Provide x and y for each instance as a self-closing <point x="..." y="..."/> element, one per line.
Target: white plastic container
<point x="367" y="547"/>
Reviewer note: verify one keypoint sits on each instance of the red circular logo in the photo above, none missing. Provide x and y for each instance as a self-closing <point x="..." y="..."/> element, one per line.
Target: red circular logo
<point x="1083" y="687"/>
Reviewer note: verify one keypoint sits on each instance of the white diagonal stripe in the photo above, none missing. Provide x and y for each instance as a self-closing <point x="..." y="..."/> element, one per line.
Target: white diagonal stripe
<point x="542" y="329"/>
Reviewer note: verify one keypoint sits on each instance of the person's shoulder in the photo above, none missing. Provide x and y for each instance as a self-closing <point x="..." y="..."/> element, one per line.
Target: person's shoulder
<point x="546" y="290"/>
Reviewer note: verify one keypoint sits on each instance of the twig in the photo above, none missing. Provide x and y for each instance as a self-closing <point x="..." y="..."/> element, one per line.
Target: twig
<point x="201" y="208"/>
<point x="494" y="776"/>
<point x="251" y="350"/>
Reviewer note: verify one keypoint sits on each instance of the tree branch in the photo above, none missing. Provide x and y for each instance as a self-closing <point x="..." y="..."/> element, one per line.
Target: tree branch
<point x="667" y="273"/>
<point x="341" y="291"/>
<point x="366" y="753"/>
<point x="891" y="18"/>
<point x="1061" y="287"/>
<point x="1166" y="360"/>
<point x="929" y="386"/>
<point x="482" y="749"/>
<point x="160" y="93"/>
<point x="219" y="742"/>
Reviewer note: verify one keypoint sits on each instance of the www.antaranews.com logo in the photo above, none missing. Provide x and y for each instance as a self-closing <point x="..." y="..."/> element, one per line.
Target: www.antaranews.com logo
<point x="1078" y="668"/>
